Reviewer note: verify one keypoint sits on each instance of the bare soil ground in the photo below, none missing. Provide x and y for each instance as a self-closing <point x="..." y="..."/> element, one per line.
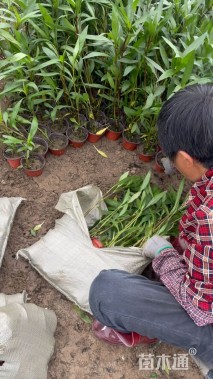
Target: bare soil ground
<point x="78" y="354"/>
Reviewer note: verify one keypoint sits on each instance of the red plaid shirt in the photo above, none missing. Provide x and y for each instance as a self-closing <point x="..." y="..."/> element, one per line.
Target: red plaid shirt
<point x="189" y="277"/>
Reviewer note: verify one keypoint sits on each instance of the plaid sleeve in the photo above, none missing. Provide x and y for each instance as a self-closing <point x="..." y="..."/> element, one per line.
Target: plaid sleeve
<point x="172" y="269"/>
<point x="199" y="259"/>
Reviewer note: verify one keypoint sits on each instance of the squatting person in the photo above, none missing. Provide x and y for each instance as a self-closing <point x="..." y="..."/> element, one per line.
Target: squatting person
<point x="177" y="309"/>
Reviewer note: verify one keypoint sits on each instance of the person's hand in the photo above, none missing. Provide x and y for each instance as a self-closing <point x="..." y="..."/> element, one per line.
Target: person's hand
<point x="183" y="244"/>
<point x="153" y="247"/>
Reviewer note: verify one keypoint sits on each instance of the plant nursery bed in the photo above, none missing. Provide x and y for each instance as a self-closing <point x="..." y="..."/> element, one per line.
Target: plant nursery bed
<point x="78" y="354"/>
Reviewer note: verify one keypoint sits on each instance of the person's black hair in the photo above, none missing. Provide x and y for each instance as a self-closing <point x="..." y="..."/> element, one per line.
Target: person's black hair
<point x="185" y="123"/>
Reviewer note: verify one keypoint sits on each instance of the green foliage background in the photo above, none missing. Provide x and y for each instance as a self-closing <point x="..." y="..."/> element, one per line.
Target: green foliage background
<point x="123" y="57"/>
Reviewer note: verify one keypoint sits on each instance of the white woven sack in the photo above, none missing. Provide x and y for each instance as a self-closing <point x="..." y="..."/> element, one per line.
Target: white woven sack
<point x="19" y="298"/>
<point x="8" y="206"/>
<point x="26" y="341"/>
<point x="66" y="258"/>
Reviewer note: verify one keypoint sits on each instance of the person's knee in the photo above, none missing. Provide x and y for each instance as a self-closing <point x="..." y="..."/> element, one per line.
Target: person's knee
<point x="102" y="285"/>
<point x="97" y="290"/>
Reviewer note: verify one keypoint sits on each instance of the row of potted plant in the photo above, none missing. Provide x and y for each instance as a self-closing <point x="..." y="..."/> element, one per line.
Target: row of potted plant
<point x="32" y="159"/>
<point x="26" y="137"/>
<point x="121" y="55"/>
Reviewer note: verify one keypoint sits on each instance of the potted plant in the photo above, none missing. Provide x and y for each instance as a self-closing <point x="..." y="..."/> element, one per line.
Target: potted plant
<point x="146" y="151"/>
<point x="57" y="122"/>
<point x="12" y="136"/>
<point x="44" y="130"/>
<point x="114" y="129"/>
<point x="131" y="136"/>
<point x="146" y="154"/>
<point x="13" y="152"/>
<point x="158" y="166"/>
<point x="18" y="144"/>
<point x="77" y="135"/>
<point x="59" y="126"/>
<point x="40" y="146"/>
<point x="57" y="143"/>
<point x="95" y="131"/>
<point x="32" y="163"/>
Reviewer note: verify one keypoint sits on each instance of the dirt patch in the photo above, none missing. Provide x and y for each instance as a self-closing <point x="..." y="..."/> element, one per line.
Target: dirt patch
<point x="77" y="353"/>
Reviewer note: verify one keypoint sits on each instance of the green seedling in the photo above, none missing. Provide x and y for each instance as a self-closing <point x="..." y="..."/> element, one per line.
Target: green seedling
<point x="137" y="210"/>
<point x="83" y="315"/>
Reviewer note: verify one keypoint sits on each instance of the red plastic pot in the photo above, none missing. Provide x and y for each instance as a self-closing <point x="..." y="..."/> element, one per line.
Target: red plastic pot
<point x="145" y="157"/>
<point x="61" y="150"/>
<point x="112" y="135"/>
<point x="157" y="166"/>
<point x="94" y="125"/>
<point x="14" y="162"/>
<point x="92" y="137"/>
<point x="34" y="172"/>
<point x="97" y="243"/>
<point x="128" y="145"/>
<point x="76" y="143"/>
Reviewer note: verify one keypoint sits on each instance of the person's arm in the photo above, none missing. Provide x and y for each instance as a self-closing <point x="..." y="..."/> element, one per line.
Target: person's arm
<point x="167" y="263"/>
<point x="172" y="269"/>
<point x="188" y="277"/>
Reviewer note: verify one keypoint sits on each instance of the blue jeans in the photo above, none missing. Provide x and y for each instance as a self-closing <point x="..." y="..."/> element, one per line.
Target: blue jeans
<point x="134" y="303"/>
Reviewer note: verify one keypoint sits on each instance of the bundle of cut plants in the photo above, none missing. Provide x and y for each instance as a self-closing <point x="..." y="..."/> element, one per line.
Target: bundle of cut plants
<point x="137" y="210"/>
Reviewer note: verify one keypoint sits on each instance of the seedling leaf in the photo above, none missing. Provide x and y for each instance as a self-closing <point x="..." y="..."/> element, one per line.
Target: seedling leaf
<point x="83" y="315"/>
<point x="100" y="132"/>
<point x="101" y="152"/>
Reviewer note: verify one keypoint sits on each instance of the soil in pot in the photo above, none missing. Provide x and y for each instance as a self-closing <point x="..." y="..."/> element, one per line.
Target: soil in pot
<point x="57" y="143"/>
<point x="34" y="165"/>
<point x="13" y="157"/>
<point x="93" y="128"/>
<point x="130" y="140"/>
<point x="114" y="130"/>
<point x="41" y="146"/>
<point x="77" y="136"/>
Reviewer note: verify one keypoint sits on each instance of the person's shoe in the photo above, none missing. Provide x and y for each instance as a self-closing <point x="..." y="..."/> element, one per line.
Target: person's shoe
<point x="117" y="338"/>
